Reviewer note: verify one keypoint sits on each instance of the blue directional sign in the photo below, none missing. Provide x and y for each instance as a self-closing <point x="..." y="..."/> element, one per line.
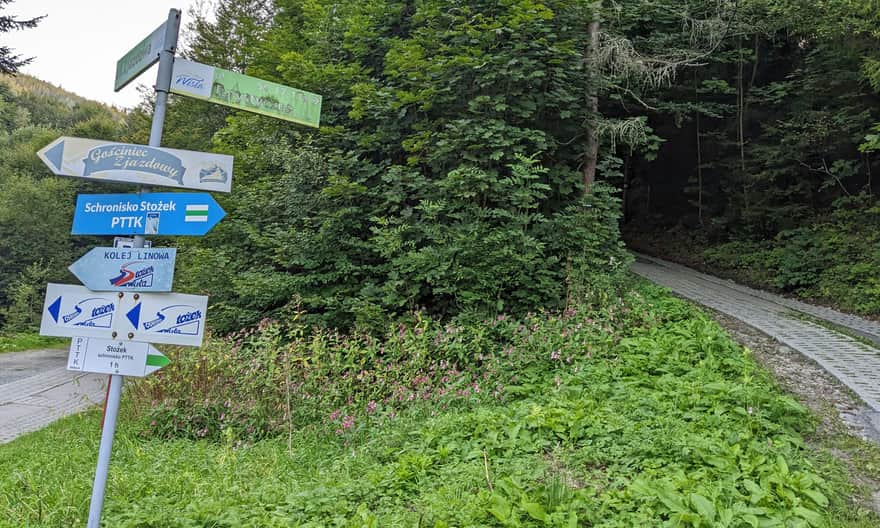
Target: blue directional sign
<point x="135" y="269"/>
<point x="170" y="318"/>
<point x="192" y="214"/>
<point x="72" y="311"/>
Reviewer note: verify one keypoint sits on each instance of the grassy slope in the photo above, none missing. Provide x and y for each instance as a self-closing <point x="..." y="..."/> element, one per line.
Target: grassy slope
<point x="672" y="425"/>
<point x="18" y="342"/>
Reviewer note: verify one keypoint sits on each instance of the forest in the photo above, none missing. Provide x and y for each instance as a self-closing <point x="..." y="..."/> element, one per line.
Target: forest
<point x="454" y="170"/>
<point x="421" y="313"/>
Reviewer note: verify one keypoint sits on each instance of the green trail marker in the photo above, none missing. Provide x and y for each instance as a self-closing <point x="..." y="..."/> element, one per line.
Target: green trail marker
<point x="233" y="89"/>
<point x="155" y="361"/>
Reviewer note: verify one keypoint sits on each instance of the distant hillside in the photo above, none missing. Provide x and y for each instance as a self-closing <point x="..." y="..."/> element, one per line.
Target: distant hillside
<point x="26" y="85"/>
<point x="36" y="207"/>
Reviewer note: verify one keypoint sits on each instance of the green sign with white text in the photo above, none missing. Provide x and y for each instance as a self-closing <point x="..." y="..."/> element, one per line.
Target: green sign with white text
<point x="139" y="58"/>
<point x="233" y="89"/>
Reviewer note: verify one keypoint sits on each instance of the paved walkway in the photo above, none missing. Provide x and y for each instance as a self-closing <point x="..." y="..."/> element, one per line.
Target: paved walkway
<point x="855" y="364"/>
<point x="36" y="389"/>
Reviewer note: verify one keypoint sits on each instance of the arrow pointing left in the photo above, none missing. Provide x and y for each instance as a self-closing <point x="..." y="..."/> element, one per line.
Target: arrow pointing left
<point x="134" y="269"/>
<point x="72" y="311"/>
<point x="140" y="164"/>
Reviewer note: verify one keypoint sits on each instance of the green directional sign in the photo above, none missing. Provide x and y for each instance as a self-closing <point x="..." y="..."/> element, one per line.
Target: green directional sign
<point x="233" y="89"/>
<point x="139" y="58"/>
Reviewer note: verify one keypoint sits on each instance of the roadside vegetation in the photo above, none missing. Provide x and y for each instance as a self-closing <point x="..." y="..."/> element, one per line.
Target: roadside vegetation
<point x="637" y="412"/>
<point x="766" y="173"/>
<point x="421" y="311"/>
<point x="834" y="260"/>
<point x="18" y="342"/>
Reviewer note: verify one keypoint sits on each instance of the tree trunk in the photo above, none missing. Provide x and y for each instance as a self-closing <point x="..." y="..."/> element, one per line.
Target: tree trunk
<point x="699" y="173"/>
<point x="699" y="154"/>
<point x="740" y="125"/>
<point x="591" y="146"/>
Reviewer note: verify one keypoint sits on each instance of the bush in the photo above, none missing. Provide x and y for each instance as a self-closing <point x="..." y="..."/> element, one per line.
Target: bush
<point x="474" y="241"/>
<point x="641" y="413"/>
<point x="834" y="259"/>
<point x="276" y="377"/>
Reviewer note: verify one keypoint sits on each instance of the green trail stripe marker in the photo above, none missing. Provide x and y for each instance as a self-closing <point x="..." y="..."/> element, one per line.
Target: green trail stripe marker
<point x="196" y="213"/>
<point x="157" y="361"/>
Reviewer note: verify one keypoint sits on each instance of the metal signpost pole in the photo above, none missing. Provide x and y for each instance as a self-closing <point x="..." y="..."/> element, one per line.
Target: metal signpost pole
<point x="163" y="86"/>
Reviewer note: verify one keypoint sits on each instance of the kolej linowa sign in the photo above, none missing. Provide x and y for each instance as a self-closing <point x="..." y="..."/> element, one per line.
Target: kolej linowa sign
<point x="124" y="162"/>
<point x="245" y="93"/>
<point x="133" y="269"/>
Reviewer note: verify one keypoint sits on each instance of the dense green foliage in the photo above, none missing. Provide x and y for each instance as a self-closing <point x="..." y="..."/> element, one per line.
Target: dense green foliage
<point x="35" y="208"/>
<point x="770" y="154"/>
<point x="447" y="174"/>
<point x="443" y="177"/>
<point x="641" y="413"/>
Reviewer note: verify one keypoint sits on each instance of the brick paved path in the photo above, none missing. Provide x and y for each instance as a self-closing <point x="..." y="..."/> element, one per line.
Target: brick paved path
<point x="854" y="363"/>
<point x="36" y="389"/>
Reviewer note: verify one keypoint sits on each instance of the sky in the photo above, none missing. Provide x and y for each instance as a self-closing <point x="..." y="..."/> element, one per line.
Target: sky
<point x="78" y="43"/>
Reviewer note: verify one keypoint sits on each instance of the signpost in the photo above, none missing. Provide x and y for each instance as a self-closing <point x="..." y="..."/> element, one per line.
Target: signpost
<point x="104" y="356"/>
<point x="139" y="58"/>
<point x="73" y="311"/>
<point x="191" y="214"/>
<point x="233" y="89"/>
<point x="117" y="315"/>
<point x="136" y="269"/>
<point x="141" y="164"/>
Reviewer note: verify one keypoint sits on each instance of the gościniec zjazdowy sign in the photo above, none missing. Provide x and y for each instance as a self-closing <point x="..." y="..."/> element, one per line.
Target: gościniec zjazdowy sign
<point x="126" y="269"/>
<point x="192" y="214"/>
<point x="125" y="162"/>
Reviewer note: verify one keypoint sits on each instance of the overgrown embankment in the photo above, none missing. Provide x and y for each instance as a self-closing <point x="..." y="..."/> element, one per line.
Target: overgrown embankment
<point x="833" y="259"/>
<point x="639" y="413"/>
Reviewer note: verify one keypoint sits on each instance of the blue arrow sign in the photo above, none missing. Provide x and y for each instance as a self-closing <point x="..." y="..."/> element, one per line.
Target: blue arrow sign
<point x="192" y="214"/>
<point x="135" y="269"/>
<point x="71" y="311"/>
